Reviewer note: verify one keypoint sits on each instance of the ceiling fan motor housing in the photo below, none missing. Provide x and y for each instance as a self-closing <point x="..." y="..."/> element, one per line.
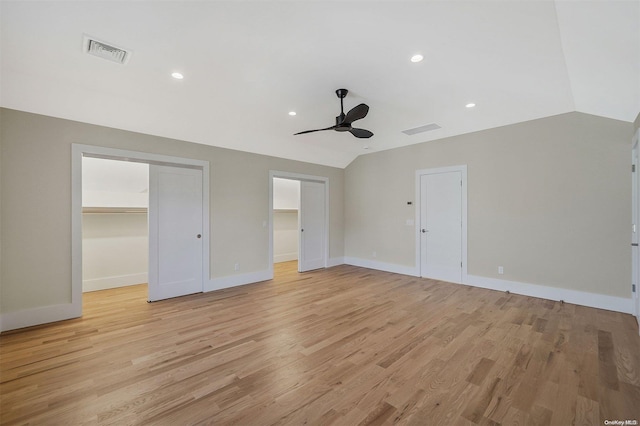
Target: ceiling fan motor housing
<point x="342" y="93"/>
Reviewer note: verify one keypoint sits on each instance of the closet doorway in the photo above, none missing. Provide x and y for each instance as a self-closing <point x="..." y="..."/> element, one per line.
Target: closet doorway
<point x="115" y="228"/>
<point x="172" y="184"/>
<point x="286" y="207"/>
<point x="298" y="220"/>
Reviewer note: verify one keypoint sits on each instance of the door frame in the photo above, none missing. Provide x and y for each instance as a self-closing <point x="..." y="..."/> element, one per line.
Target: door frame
<point x="78" y="151"/>
<point x="463" y="173"/>
<point x="299" y="177"/>
<point x="635" y="212"/>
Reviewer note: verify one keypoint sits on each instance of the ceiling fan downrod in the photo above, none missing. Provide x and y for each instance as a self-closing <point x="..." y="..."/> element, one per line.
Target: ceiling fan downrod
<point x="342" y="93"/>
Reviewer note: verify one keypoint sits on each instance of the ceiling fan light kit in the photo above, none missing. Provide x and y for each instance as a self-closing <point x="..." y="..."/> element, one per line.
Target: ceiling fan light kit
<point x="344" y="121"/>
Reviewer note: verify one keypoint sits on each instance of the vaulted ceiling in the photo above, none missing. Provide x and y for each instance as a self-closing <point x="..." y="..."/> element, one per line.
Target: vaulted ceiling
<point x="246" y="65"/>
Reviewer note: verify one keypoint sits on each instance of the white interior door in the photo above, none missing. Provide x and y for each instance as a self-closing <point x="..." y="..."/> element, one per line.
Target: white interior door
<point x="441" y="226"/>
<point x="175" y="231"/>
<point x="312" y="245"/>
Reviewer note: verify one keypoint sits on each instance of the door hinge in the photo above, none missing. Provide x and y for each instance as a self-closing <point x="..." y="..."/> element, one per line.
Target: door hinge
<point x="633" y="168"/>
<point x="461" y="264"/>
<point x="633" y="288"/>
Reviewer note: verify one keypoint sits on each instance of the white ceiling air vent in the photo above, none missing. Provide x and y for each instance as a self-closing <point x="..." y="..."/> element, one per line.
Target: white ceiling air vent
<point x="106" y="51"/>
<point x="421" y="129"/>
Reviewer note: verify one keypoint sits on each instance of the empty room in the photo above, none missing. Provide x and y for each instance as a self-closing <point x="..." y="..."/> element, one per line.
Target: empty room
<point x="345" y="212"/>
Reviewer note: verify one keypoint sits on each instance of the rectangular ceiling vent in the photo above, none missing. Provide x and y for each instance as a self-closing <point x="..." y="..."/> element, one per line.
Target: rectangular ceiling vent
<point x="421" y="129"/>
<point x="106" y="51"/>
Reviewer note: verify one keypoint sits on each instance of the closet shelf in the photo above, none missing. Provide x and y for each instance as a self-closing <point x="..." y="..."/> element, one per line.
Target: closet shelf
<point x="114" y="210"/>
<point x="285" y="210"/>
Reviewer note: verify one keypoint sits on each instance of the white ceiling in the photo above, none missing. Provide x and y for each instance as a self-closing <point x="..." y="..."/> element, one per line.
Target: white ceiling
<point x="247" y="64"/>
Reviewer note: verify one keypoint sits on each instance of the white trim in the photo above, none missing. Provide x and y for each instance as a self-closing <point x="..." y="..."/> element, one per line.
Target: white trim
<point x="286" y="257"/>
<point x="381" y="266"/>
<point x="635" y="251"/>
<point x="335" y="261"/>
<point x="80" y="150"/>
<point x="463" y="172"/>
<point x="116" y="281"/>
<point x="593" y="300"/>
<point x="300" y="177"/>
<point x="39" y="315"/>
<point x="236" y="280"/>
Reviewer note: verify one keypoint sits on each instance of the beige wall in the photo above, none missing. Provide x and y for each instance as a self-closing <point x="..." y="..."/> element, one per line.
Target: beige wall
<point x="548" y="199"/>
<point x="36" y="203"/>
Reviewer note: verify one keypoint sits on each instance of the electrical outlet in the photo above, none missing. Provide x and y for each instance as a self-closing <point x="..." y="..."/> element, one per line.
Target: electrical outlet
<point x="500" y="270"/>
<point x="236" y="266"/>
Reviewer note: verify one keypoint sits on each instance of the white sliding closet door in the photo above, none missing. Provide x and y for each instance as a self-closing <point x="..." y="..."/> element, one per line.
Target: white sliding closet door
<point x="175" y="231"/>
<point x="312" y="226"/>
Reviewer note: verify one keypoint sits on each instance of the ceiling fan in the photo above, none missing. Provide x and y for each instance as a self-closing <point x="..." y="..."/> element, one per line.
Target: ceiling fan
<point x="343" y="122"/>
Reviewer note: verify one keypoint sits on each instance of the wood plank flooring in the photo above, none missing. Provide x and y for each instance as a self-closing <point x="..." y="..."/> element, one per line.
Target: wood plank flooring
<point x="345" y="346"/>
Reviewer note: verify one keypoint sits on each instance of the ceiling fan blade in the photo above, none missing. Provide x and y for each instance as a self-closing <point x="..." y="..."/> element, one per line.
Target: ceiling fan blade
<point x="316" y="130"/>
<point x="361" y="133"/>
<point x="356" y="113"/>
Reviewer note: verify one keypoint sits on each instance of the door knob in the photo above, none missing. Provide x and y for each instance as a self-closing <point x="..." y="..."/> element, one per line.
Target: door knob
<point x="302" y="230"/>
<point x="199" y="236"/>
<point x="424" y="231"/>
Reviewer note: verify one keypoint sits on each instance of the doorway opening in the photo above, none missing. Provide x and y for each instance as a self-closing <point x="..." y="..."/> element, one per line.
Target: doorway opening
<point x="286" y="205"/>
<point x="177" y="219"/>
<point x="298" y="222"/>
<point x="115" y="229"/>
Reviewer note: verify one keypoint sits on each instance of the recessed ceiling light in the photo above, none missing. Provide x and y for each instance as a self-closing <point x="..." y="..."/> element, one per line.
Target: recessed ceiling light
<point x="470" y="105"/>
<point x="292" y="113"/>
<point x="417" y="58"/>
<point x="177" y="75"/>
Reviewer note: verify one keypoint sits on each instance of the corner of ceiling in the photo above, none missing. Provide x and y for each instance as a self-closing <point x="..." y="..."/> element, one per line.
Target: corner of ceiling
<point x="570" y="82"/>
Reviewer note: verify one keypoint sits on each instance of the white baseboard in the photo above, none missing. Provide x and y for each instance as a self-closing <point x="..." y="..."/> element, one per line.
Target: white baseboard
<point x="114" y="282"/>
<point x="593" y="300"/>
<point x="335" y="261"/>
<point x="41" y="315"/>
<point x="47" y="314"/>
<point x="236" y="280"/>
<point x="381" y="266"/>
<point x="277" y="258"/>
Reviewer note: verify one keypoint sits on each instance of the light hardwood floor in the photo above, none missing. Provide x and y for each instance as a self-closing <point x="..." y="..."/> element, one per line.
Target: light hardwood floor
<point x="343" y="346"/>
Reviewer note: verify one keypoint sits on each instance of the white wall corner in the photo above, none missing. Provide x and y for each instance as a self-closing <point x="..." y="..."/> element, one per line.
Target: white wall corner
<point x="40" y="315"/>
<point x="286" y="257"/>
<point x="593" y="300"/>
<point x="104" y="283"/>
<point x="236" y="280"/>
<point x="335" y="261"/>
<point x="381" y="266"/>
